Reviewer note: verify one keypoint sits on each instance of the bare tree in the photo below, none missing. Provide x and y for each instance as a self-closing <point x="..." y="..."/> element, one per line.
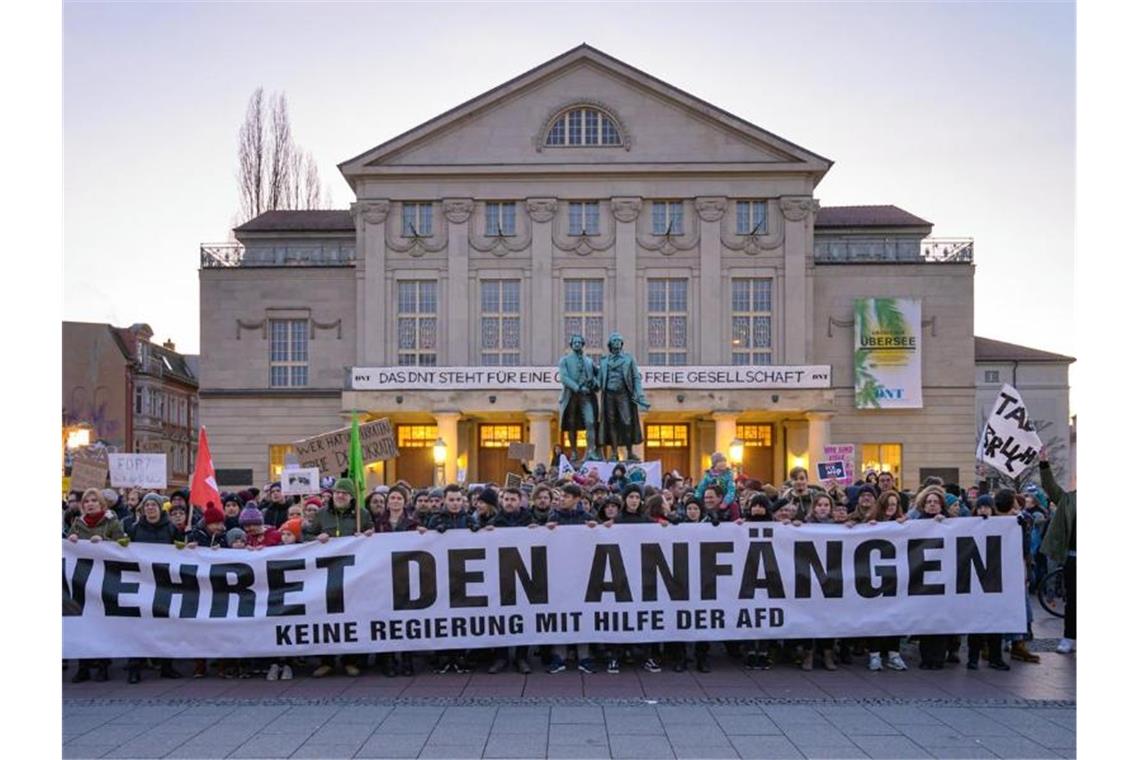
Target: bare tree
<point x="273" y="172"/>
<point x="251" y="156"/>
<point x="281" y="173"/>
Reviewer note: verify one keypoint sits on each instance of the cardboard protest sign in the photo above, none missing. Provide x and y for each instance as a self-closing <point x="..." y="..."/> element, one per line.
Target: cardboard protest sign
<point x="1009" y="442"/>
<point x="88" y="472"/>
<point x="514" y="480"/>
<point x="523" y="452"/>
<point x="845" y="453"/>
<point x="137" y="470"/>
<point x="328" y="452"/>
<point x="301" y="481"/>
<point x="831" y="471"/>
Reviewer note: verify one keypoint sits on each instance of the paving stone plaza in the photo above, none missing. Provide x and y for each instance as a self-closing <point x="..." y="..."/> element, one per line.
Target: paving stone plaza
<point x="1029" y="712"/>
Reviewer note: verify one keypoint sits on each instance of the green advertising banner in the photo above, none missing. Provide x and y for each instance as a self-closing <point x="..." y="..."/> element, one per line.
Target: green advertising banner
<point x="888" y="353"/>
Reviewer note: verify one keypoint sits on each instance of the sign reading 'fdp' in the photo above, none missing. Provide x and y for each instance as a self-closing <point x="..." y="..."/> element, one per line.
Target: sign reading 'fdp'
<point x="546" y="378"/>
<point x="575" y="584"/>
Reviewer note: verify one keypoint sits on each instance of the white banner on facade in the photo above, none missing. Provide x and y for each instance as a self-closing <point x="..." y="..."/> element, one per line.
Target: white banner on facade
<point x="1009" y="442"/>
<point x="546" y="378"/>
<point x="888" y="353"/>
<point x="137" y="470"/>
<point x="575" y="584"/>
<point x="646" y="473"/>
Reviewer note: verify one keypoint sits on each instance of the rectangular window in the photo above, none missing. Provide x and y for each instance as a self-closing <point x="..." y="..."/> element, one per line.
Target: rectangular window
<point x="584" y="216"/>
<point x="668" y="218"/>
<point x="416" y="436"/>
<point x="138" y="400"/>
<point x="751" y="217"/>
<point x="498" y="436"/>
<point x="583" y="311"/>
<point x="752" y="320"/>
<point x="575" y="127"/>
<point x="416" y="323"/>
<point x="882" y="457"/>
<point x="500" y="219"/>
<point x="499" y="323"/>
<point x="277" y="452"/>
<point x="417" y="220"/>
<point x="993" y="376"/>
<point x="591" y="127"/>
<point x="288" y="353"/>
<point x="667" y="436"/>
<point x="668" y="331"/>
<point x="754" y="434"/>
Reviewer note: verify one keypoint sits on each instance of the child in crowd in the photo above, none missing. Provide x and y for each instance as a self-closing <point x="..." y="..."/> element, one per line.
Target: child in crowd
<point x="257" y="534"/>
<point x="719" y="474"/>
<point x="210" y="532"/>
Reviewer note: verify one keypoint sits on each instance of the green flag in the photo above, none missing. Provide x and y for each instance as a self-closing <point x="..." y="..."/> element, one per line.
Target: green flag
<point x="356" y="467"/>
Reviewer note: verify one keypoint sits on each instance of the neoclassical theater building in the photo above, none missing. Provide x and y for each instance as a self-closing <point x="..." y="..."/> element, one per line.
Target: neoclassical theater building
<point x="584" y="196"/>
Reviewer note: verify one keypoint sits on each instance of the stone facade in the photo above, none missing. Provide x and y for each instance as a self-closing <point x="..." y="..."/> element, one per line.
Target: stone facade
<point x="350" y="283"/>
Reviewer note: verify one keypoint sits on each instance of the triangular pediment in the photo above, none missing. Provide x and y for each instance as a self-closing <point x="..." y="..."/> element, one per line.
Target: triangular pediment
<point x="659" y="124"/>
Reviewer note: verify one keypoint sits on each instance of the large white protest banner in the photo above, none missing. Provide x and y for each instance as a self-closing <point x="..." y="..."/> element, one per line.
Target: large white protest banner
<point x="1009" y="442"/>
<point x="573" y="584"/>
<point x="137" y="470"/>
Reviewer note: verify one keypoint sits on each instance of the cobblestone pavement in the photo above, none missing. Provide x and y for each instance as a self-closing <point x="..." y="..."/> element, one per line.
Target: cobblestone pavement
<point x="1028" y="712"/>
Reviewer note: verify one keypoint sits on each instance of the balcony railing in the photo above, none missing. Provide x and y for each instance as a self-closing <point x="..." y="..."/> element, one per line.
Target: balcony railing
<point x="843" y="250"/>
<point x="217" y="255"/>
<point x="948" y="250"/>
<point x="322" y="253"/>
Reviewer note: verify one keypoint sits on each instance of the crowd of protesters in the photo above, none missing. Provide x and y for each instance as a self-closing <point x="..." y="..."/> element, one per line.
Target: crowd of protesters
<point x="257" y="519"/>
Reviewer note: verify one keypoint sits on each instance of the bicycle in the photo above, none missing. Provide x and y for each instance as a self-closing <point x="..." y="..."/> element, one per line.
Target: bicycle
<point x="1051" y="592"/>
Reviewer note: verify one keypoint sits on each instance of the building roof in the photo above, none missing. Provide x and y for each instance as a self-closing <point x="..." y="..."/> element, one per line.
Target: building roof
<point x="323" y="220"/>
<point x="987" y="350"/>
<point x="585" y="52"/>
<point x="867" y="216"/>
<point x="340" y="220"/>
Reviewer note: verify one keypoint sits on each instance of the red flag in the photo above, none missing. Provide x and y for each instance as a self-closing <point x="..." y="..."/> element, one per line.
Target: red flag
<point x="203" y="487"/>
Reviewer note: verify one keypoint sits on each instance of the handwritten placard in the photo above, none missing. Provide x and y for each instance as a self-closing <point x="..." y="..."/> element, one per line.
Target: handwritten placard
<point x="137" y="470"/>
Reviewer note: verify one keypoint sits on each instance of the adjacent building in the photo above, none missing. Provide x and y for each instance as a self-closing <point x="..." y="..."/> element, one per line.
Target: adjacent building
<point x="130" y="393"/>
<point x="583" y="196"/>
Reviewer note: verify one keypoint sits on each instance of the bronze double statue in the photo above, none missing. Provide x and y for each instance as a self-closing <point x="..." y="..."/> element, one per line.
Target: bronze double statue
<point x="616" y="421"/>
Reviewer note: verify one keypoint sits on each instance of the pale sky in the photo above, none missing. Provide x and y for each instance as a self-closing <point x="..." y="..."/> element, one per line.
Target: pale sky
<point x="961" y="114"/>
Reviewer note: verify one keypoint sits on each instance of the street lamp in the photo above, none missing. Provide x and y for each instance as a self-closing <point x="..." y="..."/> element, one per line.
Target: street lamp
<point x="439" y="455"/>
<point x="78" y="437"/>
<point x="736" y="454"/>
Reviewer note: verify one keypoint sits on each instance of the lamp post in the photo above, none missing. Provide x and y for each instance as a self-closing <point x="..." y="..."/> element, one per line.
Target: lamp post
<point x="439" y="455"/>
<point x="736" y="455"/>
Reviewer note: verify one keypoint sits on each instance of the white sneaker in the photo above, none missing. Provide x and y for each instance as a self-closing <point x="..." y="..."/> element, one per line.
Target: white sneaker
<point x="1066" y="646"/>
<point x="286" y="673"/>
<point x="895" y="661"/>
<point x="875" y="663"/>
<point x="274" y="671"/>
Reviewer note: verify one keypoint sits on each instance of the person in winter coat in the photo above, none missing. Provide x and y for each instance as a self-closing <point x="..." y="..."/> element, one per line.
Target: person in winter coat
<point x="115" y="503"/>
<point x="453" y="516"/>
<point x="275" y="508"/>
<point x="800" y="493"/>
<point x="722" y="474"/>
<point x="396" y="517"/>
<point x="510" y="515"/>
<point x="231" y="510"/>
<point x="1060" y="546"/>
<point x="618" y="481"/>
<point x="338" y="520"/>
<point x="153" y="527"/>
<point x="257" y="533"/>
<point x="95" y="523"/>
<point x="716" y="507"/>
<point x="210" y="532"/>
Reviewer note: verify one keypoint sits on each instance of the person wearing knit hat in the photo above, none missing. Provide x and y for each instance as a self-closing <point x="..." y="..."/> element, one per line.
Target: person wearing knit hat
<point x="210" y="530"/>
<point x="235" y="538"/>
<point x="340" y="518"/>
<point x="257" y="533"/>
<point x="291" y="531"/>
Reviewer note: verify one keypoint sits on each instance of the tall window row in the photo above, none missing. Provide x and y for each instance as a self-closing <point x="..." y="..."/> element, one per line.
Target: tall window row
<point x="170" y="408"/>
